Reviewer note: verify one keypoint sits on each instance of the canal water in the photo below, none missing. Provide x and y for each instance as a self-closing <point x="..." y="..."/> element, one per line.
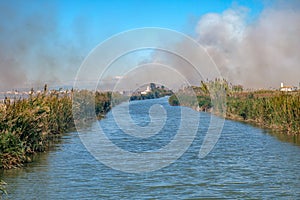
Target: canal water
<point x="246" y="163"/>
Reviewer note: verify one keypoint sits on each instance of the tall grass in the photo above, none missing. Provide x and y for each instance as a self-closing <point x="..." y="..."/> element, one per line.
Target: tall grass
<point x="280" y="110"/>
<point x="28" y="125"/>
<point x="271" y="109"/>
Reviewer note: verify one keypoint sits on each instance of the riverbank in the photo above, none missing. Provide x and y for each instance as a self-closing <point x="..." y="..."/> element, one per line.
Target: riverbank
<point x="270" y="109"/>
<point x="30" y="125"/>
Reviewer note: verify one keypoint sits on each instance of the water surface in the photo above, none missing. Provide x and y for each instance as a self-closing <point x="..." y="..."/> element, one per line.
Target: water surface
<point x="246" y="163"/>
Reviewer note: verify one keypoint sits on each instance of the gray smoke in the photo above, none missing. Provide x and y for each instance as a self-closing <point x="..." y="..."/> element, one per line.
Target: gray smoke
<point x="259" y="53"/>
<point x="256" y="53"/>
<point x="33" y="51"/>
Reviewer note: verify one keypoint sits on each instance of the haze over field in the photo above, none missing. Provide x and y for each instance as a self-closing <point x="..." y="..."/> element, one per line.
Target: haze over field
<point x="255" y="44"/>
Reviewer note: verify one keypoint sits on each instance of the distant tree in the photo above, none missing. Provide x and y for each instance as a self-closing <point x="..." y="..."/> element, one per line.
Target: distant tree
<point x="45" y="88"/>
<point x="237" y="88"/>
<point x="204" y="87"/>
<point x="152" y="86"/>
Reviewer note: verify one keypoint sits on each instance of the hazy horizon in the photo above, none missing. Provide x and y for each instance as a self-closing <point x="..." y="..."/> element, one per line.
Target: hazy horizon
<point x="254" y="43"/>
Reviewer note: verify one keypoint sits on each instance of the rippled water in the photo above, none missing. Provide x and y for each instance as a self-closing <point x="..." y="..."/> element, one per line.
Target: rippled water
<point x="246" y="163"/>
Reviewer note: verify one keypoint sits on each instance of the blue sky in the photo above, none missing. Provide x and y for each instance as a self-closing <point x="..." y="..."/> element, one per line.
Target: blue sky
<point x="105" y="18"/>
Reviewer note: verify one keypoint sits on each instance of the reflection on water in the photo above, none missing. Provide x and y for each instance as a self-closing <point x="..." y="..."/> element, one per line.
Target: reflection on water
<point x="246" y="163"/>
<point x="293" y="139"/>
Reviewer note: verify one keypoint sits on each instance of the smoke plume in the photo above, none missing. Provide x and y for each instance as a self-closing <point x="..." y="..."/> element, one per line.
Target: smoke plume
<point x="259" y="53"/>
<point x="33" y="51"/>
<point x="37" y="47"/>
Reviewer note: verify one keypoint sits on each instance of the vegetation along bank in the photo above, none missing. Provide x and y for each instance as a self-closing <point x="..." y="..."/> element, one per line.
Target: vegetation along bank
<point x="29" y="125"/>
<point x="267" y="108"/>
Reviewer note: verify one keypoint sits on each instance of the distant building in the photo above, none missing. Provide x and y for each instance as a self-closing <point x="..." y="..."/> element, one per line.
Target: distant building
<point x="284" y="88"/>
<point x="147" y="90"/>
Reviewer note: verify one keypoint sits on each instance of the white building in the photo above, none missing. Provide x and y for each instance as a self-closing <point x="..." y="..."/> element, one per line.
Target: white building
<point x="147" y="90"/>
<point x="287" y="88"/>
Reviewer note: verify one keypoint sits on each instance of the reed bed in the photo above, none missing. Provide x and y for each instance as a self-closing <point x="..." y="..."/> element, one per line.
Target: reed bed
<point x="29" y="125"/>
